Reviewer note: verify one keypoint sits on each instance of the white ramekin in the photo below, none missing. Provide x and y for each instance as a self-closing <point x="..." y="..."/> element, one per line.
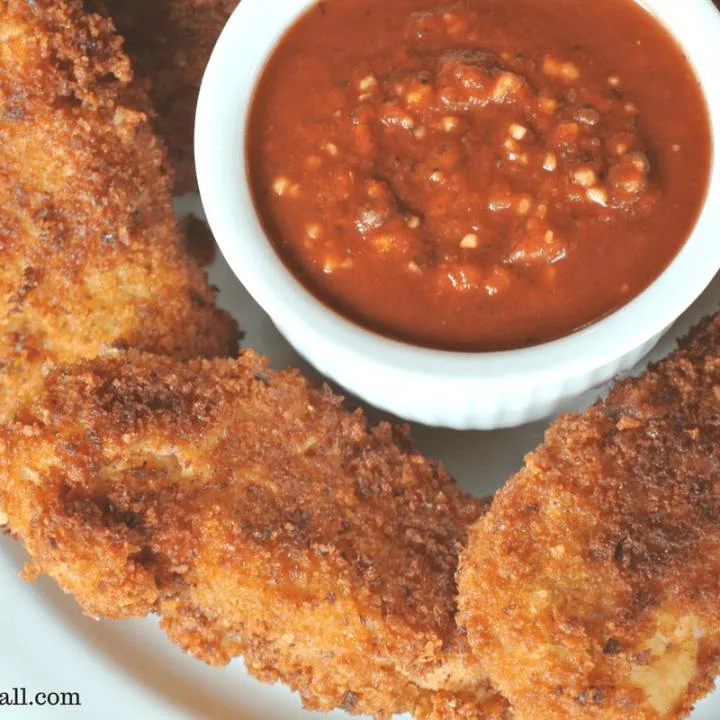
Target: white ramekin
<point x="459" y="390"/>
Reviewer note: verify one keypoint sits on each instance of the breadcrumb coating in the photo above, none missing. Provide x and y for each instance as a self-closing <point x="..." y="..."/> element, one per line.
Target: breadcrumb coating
<point x="90" y="255"/>
<point x="256" y="517"/>
<point x="591" y="589"/>
<point x="169" y="43"/>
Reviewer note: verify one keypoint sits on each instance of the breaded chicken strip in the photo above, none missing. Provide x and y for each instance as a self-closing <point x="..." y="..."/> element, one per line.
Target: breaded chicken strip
<point x="256" y="516"/>
<point x="169" y="43"/>
<point x="592" y="587"/>
<point x="90" y="255"/>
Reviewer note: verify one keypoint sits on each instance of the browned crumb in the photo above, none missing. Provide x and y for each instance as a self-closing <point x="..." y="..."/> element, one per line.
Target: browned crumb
<point x="169" y="42"/>
<point x="89" y="249"/>
<point x="199" y="240"/>
<point x="256" y="516"/>
<point x="592" y="587"/>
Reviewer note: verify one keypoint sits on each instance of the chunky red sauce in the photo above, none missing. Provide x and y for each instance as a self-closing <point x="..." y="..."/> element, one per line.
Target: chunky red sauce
<point x="482" y="174"/>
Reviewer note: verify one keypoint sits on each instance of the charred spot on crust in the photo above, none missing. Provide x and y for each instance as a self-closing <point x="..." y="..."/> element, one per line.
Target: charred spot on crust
<point x="145" y="558"/>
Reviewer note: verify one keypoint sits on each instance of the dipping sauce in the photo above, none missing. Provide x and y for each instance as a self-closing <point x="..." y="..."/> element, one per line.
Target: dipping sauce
<point x="478" y="175"/>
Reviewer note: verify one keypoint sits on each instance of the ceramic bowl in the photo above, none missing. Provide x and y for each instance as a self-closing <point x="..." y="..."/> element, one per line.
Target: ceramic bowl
<point x="458" y="390"/>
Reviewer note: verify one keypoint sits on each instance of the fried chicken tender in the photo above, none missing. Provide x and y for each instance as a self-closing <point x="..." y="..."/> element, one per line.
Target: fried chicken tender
<point x="169" y="43"/>
<point x="256" y="517"/>
<point x="591" y="590"/>
<point x="90" y="255"/>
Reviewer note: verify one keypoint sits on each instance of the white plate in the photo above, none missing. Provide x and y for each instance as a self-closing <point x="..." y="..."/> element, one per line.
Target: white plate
<point x="128" y="669"/>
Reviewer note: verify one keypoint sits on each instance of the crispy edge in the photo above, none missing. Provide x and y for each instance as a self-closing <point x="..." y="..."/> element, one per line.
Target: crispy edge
<point x="590" y="588"/>
<point x="170" y="42"/>
<point x="83" y="70"/>
<point x="91" y="486"/>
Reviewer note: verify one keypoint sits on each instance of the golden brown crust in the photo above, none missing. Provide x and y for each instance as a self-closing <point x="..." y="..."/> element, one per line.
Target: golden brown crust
<point x="169" y="43"/>
<point x="90" y="255"/>
<point x="257" y="517"/>
<point x="592" y="587"/>
<point x="485" y="703"/>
